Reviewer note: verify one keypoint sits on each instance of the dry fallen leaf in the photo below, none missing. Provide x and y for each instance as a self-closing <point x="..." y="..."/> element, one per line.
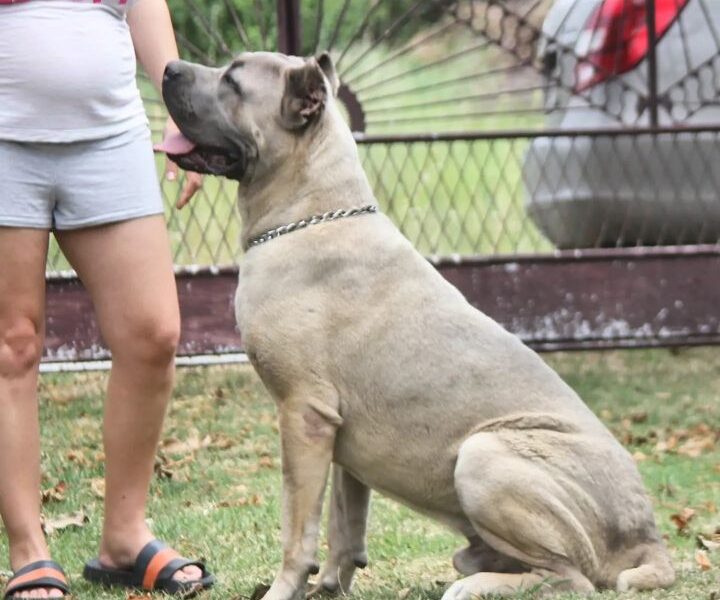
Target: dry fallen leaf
<point x="697" y="445"/>
<point x="191" y="444"/>
<point x="667" y="445"/>
<point x="78" y="457"/>
<point x="682" y="519"/>
<point x="639" y="416"/>
<point x="709" y="541"/>
<point x="702" y="560"/>
<point x="61" y="522"/>
<point x="162" y="469"/>
<point x="55" y="493"/>
<point x="223" y="442"/>
<point x="266" y="462"/>
<point x="97" y="486"/>
<point x="639" y="456"/>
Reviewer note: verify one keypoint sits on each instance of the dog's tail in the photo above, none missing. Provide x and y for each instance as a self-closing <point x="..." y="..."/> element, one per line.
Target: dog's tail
<point x="655" y="571"/>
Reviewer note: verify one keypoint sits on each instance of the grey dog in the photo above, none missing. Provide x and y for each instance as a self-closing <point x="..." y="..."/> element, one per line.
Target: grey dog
<point x="382" y="371"/>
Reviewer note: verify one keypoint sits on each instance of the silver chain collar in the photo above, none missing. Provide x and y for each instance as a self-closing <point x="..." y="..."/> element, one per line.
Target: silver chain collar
<point x="332" y="215"/>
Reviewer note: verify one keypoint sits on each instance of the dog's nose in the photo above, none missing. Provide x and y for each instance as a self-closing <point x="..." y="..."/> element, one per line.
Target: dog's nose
<point x="173" y="71"/>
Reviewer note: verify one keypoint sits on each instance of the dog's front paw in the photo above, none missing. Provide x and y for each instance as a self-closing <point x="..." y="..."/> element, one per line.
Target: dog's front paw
<point x="279" y="590"/>
<point x="337" y="575"/>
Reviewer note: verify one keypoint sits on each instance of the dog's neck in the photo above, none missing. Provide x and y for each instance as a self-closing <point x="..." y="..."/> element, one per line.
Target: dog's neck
<point x="323" y="174"/>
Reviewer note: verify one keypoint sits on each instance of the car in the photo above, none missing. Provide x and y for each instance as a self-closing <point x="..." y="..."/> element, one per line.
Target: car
<point x="637" y="188"/>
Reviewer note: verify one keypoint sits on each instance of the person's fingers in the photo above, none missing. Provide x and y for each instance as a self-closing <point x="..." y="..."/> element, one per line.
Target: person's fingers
<point x="171" y="170"/>
<point x="193" y="182"/>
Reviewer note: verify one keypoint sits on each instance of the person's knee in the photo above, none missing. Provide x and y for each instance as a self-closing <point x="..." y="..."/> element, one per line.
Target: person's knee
<point x="152" y="342"/>
<point x="21" y="343"/>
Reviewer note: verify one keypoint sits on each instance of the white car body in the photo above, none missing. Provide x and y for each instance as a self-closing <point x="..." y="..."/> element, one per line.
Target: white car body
<point x="603" y="191"/>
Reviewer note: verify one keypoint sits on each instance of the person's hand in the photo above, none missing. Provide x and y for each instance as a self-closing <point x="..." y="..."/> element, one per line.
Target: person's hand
<point x="193" y="181"/>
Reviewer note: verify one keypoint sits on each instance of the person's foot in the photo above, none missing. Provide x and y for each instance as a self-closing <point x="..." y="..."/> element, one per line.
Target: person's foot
<point x="40" y="592"/>
<point x="30" y="553"/>
<point x="119" y="550"/>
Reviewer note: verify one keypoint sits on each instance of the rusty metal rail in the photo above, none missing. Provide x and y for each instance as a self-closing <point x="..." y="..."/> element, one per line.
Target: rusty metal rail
<point x="570" y="300"/>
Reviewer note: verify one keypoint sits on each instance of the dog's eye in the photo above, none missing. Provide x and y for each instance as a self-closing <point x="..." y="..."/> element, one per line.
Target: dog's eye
<point x="230" y="81"/>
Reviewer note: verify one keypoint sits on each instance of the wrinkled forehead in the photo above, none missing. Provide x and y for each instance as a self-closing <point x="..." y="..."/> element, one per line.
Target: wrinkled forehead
<point x="270" y="63"/>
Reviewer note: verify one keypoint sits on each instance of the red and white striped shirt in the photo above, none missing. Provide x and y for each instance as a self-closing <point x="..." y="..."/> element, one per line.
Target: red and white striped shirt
<point x="67" y="70"/>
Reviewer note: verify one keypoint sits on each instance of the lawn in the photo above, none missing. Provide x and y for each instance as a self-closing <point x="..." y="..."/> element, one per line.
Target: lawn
<point x="217" y="489"/>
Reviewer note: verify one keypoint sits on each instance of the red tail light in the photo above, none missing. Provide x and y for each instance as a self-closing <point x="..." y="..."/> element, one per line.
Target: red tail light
<point x="615" y="38"/>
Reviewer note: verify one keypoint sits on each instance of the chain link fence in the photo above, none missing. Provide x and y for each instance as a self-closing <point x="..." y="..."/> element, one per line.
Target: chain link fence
<point x="491" y="129"/>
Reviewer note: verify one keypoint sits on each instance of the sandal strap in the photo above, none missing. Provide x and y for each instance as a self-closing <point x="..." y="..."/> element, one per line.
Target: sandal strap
<point x="157" y="562"/>
<point x="42" y="573"/>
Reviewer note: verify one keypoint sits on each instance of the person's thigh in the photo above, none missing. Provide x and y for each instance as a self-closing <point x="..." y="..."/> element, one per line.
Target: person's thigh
<point x="127" y="268"/>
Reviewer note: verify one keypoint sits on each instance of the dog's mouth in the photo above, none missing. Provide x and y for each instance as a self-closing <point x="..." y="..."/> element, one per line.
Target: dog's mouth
<point x="203" y="159"/>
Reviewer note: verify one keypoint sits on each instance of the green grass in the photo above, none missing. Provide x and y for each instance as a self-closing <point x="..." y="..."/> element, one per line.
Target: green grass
<point x="221" y="501"/>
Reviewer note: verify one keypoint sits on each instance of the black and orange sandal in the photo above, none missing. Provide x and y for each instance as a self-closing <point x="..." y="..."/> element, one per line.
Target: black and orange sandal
<point x="153" y="570"/>
<point x="40" y="574"/>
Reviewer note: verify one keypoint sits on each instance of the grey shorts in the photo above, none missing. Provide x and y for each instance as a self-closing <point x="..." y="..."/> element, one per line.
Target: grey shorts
<point x="79" y="184"/>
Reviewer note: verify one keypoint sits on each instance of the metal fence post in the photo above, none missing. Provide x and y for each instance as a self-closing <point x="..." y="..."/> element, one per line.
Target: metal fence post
<point x="652" y="64"/>
<point x="289" y="27"/>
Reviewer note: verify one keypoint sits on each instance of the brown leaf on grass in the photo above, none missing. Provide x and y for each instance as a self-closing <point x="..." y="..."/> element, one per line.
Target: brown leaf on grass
<point x="61" y="522"/>
<point x="666" y="445"/>
<point x="97" y="486"/>
<point x="266" y="462"/>
<point x="223" y="442"/>
<point x="639" y="456"/>
<point x="710" y="506"/>
<point x="702" y="560"/>
<point x="709" y="541"/>
<point x="639" y="416"/>
<point x="162" y="468"/>
<point x="191" y="444"/>
<point x="696" y="445"/>
<point x="133" y="596"/>
<point x="690" y="442"/>
<point x="252" y="500"/>
<point x="54" y="494"/>
<point x="682" y="519"/>
<point x="78" y="457"/>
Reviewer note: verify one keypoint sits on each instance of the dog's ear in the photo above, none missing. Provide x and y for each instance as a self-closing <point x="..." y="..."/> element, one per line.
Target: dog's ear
<point x="328" y="67"/>
<point x="305" y="95"/>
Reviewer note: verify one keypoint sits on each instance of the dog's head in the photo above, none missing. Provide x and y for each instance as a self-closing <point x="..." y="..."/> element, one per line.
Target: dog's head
<point x="257" y="106"/>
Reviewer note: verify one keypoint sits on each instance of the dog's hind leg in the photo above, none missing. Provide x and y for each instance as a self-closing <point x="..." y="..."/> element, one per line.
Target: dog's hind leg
<point x="655" y="571"/>
<point x="519" y="510"/>
<point x="347" y="525"/>
<point x="478" y="556"/>
<point x="307" y="433"/>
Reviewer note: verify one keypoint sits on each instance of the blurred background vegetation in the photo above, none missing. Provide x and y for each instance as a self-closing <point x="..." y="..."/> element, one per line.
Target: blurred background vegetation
<point x="252" y="24"/>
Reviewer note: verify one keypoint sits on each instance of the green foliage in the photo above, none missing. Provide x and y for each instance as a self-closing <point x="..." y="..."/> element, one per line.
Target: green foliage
<point x="204" y="27"/>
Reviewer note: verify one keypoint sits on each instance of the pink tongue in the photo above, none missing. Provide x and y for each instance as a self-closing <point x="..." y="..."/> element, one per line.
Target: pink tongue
<point x="175" y="143"/>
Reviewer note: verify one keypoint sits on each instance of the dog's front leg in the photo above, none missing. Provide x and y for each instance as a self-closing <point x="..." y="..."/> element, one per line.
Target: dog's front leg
<point x="307" y="430"/>
<point x="347" y="526"/>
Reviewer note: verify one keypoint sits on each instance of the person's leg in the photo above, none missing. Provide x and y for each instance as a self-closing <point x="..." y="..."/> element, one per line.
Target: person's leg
<point x="22" y="304"/>
<point x="127" y="269"/>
